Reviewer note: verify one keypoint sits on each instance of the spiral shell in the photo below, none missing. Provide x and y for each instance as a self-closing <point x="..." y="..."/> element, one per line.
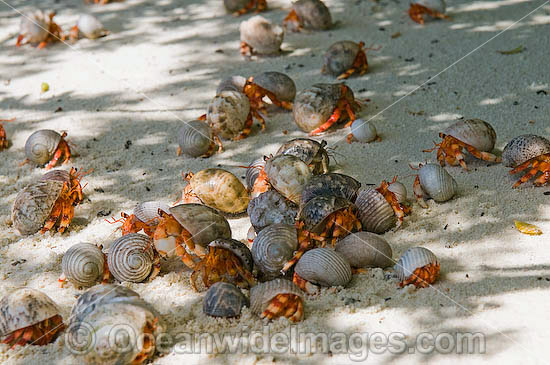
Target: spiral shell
<point x="130" y="258"/>
<point x="278" y="83"/>
<point x="437" y="183"/>
<point x="340" y="185"/>
<point x="224" y="300"/>
<point x="363" y="131"/>
<point x="91" y="27"/>
<point x="313" y="14"/>
<point x="57" y="175"/>
<point x="437" y="5"/>
<point x="375" y="213"/>
<point x="232" y="83"/>
<point x="263" y="36"/>
<point x="261" y="294"/>
<point x="238" y="248"/>
<point x="227" y="113"/>
<point x="314" y="213"/>
<point x="399" y="190"/>
<point x="34" y="26"/>
<point x="288" y="175"/>
<point x="149" y="211"/>
<point x="273" y="248"/>
<point x="365" y="249"/>
<point x="83" y="264"/>
<point x="325" y="267"/>
<point x="41" y="145"/>
<point x="270" y="208"/>
<point x="235" y="5"/>
<point x="25" y="307"/>
<point x="475" y="132"/>
<point x="311" y="152"/>
<point x="252" y="172"/>
<point x="523" y="148"/>
<point x="340" y="57"/>
<point x="412" y="259"/>
<point x="195" y="138"/>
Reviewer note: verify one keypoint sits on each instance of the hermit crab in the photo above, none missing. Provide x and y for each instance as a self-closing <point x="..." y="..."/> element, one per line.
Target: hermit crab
<point x="418" y="266"/>
<point x="277" y="298"/>
<point x="89" y="26"/>
<point x="39" y="28"/>
<point x="365" y="250"/>
<point x="433" y="8"/>
<point x="273" y="248"/>
<point x="474" y="135"/>
<point x="3" y="140"/>
<point x="227" y="260"/>
<point x="531" y="152"/>
<point x="131" y="258"/>
<point x="269" y="208"/>
<point x="308" y="14"/>
<point x="316" y="109"/>
<point x="197" y="139"/>
<point x="145" y="216"/>
<point x="84" y="265"/>
<point x="224" y="300"/>
<point x="240" y="7"/>
<point x="363" y="131"/>
<point x="47" y="203"/>
<point x="312" y="153"/>
<point x="28" y="316"/>
<point x="435" y="182"/>
<point x="344" y="58"/>
<point x="47" y="147"/>
<point x="334" y="184"/>
<point x="229" y="115"/>
<point x="252" y="172"/>
<point x="260" y="36"/>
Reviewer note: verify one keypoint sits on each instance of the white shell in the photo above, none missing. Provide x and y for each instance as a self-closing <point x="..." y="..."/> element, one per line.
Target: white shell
<point x="523" y="148"/>
<point x="375" y="213"/>
<point x="273" y="248"/>
<point x="83" y="264"/>
<point x="261" y="294"/>
<point x="412" y="259"/>
<point x="232" y="83"/>
<point x="130" y="258"/>
<point x="227" y="113"/>
<point x="475" y="132"/>
<point x="437" y="183"/>
<point x="34" y="26"/>
<point x="41" y="145"/>
<point x="365" y="249"/>
<point x="325" y="267"/>
<point x="363" y="131"/>
<point x="437" y="5"/>
<point x="399" y="190"/>
<point x="91" y="27"/>
<point x="262" y="35"/>
<point x="288" y="175"/>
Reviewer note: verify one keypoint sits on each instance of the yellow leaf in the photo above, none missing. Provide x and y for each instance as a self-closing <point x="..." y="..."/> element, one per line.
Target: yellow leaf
<point x="512" y="51"/>
<point x="527" y="228"/>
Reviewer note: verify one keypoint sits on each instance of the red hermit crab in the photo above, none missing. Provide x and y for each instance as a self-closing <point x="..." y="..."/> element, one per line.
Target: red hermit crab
<point x="433" y="8"/>
<point x="3" y="139"/>
<point x="240" y="7"/>
<point x="531" y="152"/>
<point x="39" y="28"/>
<point x="344" y="58"/>
<point x="145" y="216"/>
<point x="308" y="14"/>
<point x="47" y="146"/>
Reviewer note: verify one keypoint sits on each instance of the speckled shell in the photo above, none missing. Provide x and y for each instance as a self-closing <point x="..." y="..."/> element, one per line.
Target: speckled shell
<point x="412" y="259"/>
<point x="83" y="264"/>
<point x="270" y="208"/>
<point x="238" y="248"/>
<point x="278" y="83"/>
<point x="523" y="148"/>
<point x="224" y="300"/>
<point x="311" y="152"/>
<point x="204" y="223"/>
<point x="253" y="171"/>
<point x="399" y="190"/>
<point x="340" y="185"/>
<point x="232" y="83"/>
<point x="57" y="175"/>
<point x="363" y="131"/>
<point x="24" y="307"/>
<point x="130" y="258"/>
<point x="317" y="210"/>
<point x="340" y="56"/>
<point x="288" y="175"/>
<point x="375" y="213"/>
<point x="262" y="35"/>
<point x="313" y="14"/>
<point x="33" y="205"/>
<point x="195" y="138"/>
<point x="325" y="267"/>
<point x="437" y="183"/>
<point x="365" y="249"/>
<point x="34" y="26"/>
<point x="475" y="132"/>
<point x="313" y="106"/>
<point x="261" y="294"/>
<point x="91" y="27"/>
<point x="221" y="190"/>
<point x="227" y="113"/>
<point x="147" y="211"/>
<point x="273" y="248"/>
<point x="41" y="145"/>
<point x="234" y="5"/>
<point x="437" y="5"/>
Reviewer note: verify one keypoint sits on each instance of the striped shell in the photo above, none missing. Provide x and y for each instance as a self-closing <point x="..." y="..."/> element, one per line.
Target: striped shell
<point x="149" y="211"/>
<point x="475" y="132"/>
<point x="311" y="152"/>
<point x="195" y="138"/>
<point x="227" y="113"/>
<point x="130" y="258"/>
<point x="365" y="249"/>
<point x="314" y="213"/>
<point x="273" y="248"/>
<point x="523" y="148"/>
<point x="325" y="267"/>
<point x="261" y="294"/>
<point x="313" y="14"/>
<point x="24" y="307"/>
<point x="363" y="131"/>
<point x="224" y="300"/>
<point x="34" y="204"/>
<point x="412" y="259"/>
<point x="41" y="145"/>
<point x="314" y="106"/>
<point x="340" y="185"/>
<point x="399" y="190"/>
<point x="252" y="172"/>
<point x="238" y="248"/>
<point x="437" y="183"/>
<point x="288" y="175"/>
<point x="263" y="36"/>
<point x="375" y="213"/>
<point x="437" y="5"/>
<point x="270" y="208"/>
<point x="232" y="83"/>
<point x="340" y="57"/>
<point x="34" y="26"/>
<point x="91" y="27"/>
<point x="83" y="264"/>
<point x="57" y="175"/>
<point x="278" y="83"/>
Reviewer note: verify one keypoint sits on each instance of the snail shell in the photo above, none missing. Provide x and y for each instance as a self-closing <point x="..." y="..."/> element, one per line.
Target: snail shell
<point x="235" y="5"/>
<point x="288" y="175"/>
<point x="318" y="209"/>
<point x="340" y="185"/>
<point x="437" y="183"/>
<point x="232" y="83"/>
<point x="25" y="307"/>
<point x="238" y="248"/>
<point x="325" y="267"/>
<point x="252" y="172"/>
<point x="273" y="247"/>
<point x="148" y="211"/>
<point x="475" y="132"/>
<point x="224" y="300"/>
<point x="412" y="259"/>
<point x="57" y="175"/>
<point x="375" y="213"/>
<point x="195" y="138"/>
<point x="278" y="83"/>
<point x="523" y="148"/>
<point x="41" y="145"/>
<point x="365" y="249"/>
<point x="313" y="14"/>
<point x="227" y="113"/>
<point x="91" y="27"/>
<point x="263" y="36"/>
<point x="340" y="57"/>
<point x="313" y="106"/>
<point x="363" y="131"/>
<point x="83" y="264"/>
<point x="261" y="294"/>
<point x="270" y="208"/>
<point x="130" y="258"/>
<point x="437" y="5"/>
<point x="399" y="190"/>
<point x="34" y="26"/>
<point x="311" y="152"/>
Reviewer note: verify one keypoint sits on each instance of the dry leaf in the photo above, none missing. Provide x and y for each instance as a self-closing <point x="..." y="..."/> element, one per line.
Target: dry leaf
<point x="396" y="35"/>
<point x="513" y="51"/>
<point x="527" y="228"/>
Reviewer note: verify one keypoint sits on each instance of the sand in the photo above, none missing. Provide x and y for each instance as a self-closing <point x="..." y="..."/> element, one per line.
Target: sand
<point x="123" y="98"/>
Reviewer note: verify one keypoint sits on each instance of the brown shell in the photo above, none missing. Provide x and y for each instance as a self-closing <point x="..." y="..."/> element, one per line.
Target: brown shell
<point x="288" y="175"/>
<point x="41" y="145"/>
<point x="340" y="56"/>
<point x="57" y="175"/>
<point x="262" y="35"/>
<point x="523" y="148"/>
<point x="261" y="294"/>
<point x="130" y="258"/>
<point x="313" y="14"/>
<point x="227" y="113"/>
<point x="278" y="83"/>
<point x="252" y="172"/>
<point x="195" y="138"/>
<point x="475" y="132"/>
<point x="270" y="208"/>
<point x="235" y="5"/>
<point x="221" y="190"/>
<point x="224" y="300"/>
<point x="314" y="106"/>
<point x="340" y="185"/>
<point x="365" y="249"/>
<point x="232" y="83"/>
<point x="310" y="151"/>
<point x="318" y="209"/>
<point x="375" y="213"/>
<point x="148" y="211"/>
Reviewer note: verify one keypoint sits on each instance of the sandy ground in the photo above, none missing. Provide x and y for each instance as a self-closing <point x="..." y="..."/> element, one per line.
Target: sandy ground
<point x="160" y="66"/>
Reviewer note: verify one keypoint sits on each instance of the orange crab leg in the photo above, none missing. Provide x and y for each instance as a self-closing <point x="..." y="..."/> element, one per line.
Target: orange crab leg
<point x="422" y="277"/>
<point x="419" y="193"/>
<point x="260" y="5"/>
<point x="247" y="128"/>
<point x="292" y="21"/>
<point x="67" y="214"/>
<point x="333" y="119"/>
